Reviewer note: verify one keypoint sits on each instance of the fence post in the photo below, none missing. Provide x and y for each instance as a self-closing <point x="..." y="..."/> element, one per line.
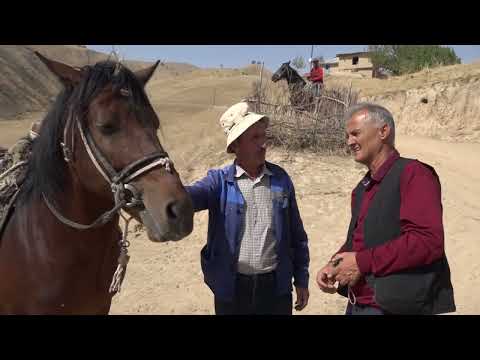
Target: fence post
<point x="214" y="93"/>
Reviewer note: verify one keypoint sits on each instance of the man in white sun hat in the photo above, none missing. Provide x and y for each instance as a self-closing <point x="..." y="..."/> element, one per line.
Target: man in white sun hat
<point x="256" y="242"/>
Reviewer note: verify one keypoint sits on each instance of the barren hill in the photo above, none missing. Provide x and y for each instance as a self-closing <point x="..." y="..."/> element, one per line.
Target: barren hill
<point x="26" y="86"/>
<point x="441" y="103"/>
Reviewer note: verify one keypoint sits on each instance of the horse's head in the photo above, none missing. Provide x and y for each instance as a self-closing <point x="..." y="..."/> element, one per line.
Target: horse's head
<point x="110" y="144"/>
<point x="282" y="72"/>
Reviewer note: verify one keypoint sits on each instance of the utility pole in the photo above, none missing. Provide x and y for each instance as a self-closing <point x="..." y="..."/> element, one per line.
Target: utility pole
<point x="260" y="89"/>
<point x="311" y="56"/>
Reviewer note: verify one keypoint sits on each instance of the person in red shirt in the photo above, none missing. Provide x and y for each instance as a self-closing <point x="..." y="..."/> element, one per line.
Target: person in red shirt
<point x="393" y="261"/>
<point x="316" y="76"/>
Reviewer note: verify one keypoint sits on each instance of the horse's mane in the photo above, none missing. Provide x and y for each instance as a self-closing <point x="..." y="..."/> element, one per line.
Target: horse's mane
<point x="297" y="75"/>
<point x="47" y="171"/>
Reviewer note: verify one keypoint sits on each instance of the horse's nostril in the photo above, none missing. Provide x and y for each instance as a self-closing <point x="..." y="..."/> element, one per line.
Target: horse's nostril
<point x="173" y="210"/>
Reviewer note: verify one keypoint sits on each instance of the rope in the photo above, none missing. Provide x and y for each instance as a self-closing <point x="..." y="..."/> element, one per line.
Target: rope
<point x="123" y="258"/>
<point x="101" y="220"/>
<point x="164" y="162"/>
<point x="352" y="299"/>
<point x="16" y="166"/>
<point x="351" y="295"/>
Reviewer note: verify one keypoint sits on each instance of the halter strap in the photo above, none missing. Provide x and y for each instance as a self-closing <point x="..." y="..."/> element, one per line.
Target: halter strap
<point x="118" y="181"/>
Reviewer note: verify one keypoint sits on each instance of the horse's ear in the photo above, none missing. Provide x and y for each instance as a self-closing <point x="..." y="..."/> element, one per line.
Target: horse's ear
<point x="67" y="74"/>
<point x="288" y="62"/>
<point x="145" y="74"/>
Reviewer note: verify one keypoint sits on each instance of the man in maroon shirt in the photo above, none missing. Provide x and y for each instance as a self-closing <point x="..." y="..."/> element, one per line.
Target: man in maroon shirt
<point x="316" y="76"/>
<point x="393" y="261"/>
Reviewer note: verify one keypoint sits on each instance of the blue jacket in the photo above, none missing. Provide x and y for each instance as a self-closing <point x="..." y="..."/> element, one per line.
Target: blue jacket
<point x="219" y="193"/>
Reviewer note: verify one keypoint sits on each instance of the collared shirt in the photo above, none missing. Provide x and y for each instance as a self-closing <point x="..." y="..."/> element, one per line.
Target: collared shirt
<point x="316" y="75"/>
<point x="257" y="247"/>
<point x="422" y="238"/>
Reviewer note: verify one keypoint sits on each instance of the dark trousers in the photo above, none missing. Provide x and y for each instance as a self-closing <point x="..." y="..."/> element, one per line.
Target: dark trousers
<point x="358" y="309"/>
<point x="255" y="295"/>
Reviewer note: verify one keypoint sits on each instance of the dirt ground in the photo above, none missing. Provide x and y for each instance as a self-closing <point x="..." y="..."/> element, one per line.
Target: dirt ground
<point x="166" y="278"/>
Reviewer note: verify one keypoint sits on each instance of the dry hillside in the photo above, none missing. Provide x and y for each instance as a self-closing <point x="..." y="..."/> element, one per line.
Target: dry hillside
<point x="441" y="102"/>
<point x="27" y="86"/>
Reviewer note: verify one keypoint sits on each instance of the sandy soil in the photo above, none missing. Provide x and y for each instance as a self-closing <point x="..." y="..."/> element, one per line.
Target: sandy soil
<point x="166" y="278"/>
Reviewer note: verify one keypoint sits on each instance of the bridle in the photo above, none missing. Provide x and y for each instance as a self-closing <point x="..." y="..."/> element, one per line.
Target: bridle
<point x="125" y="195"/>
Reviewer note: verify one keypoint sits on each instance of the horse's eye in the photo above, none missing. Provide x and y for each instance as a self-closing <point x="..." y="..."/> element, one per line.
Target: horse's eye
<point x="107" y="129"/>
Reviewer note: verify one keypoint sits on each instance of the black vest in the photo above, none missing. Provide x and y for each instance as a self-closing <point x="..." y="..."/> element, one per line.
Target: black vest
<point x="422" y="290"/>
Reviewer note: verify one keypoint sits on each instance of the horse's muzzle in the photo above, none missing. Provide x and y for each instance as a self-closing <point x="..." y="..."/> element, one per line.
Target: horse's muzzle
<point x="171" y="222"/>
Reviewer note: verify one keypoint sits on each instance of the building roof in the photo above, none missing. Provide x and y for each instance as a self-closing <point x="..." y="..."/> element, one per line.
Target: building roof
<point x="331" y="61"/>
<point x="354" y="54"/>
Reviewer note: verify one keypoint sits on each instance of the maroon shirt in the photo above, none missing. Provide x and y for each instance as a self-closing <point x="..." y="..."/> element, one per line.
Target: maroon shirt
<point x="315" y="75"/>
<point x="421" y="241"/>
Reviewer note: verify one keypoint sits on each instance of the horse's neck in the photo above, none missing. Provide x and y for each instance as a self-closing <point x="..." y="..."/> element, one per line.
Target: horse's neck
<point x="295" y="87"/>
<point x="50" y="243"/>
<point x="294" y="78"/>
<point x="57" y="263"/>
<point x="295" y="82"/>
<point x="81" y="205"/>
<point x="75" y="204"/>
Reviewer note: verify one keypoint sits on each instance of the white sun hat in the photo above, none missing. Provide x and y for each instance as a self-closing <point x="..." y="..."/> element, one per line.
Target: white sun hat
<point x="236" y="120"/>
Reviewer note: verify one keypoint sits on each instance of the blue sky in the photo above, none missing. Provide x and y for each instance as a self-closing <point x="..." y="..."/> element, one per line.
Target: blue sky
<point x="234" y="56"/>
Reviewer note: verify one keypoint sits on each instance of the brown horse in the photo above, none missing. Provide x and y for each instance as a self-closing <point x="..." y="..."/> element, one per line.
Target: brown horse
<point x="97" y="152"/>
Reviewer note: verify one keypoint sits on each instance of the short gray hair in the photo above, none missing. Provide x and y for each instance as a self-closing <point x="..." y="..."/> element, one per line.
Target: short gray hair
<point x="377" y="114"/>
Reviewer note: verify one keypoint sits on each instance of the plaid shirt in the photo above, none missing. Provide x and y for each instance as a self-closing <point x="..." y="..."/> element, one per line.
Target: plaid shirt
<point x="257" y="247"/>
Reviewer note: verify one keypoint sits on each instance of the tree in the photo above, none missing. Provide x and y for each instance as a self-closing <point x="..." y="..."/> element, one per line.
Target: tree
<point x="405" y="59"/>
<point x="298" y="63"/>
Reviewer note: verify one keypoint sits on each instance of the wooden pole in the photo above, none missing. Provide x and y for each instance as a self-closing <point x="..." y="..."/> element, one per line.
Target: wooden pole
<point x="260" y="90"/>
<point x="261" y="73"/>
<point x="311" y="56"/>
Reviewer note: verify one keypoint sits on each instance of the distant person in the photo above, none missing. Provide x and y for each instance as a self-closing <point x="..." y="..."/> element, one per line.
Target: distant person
<point x="316" y="77"/>
<point x="256" y="242"/>
<point x="393" y="261"/>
